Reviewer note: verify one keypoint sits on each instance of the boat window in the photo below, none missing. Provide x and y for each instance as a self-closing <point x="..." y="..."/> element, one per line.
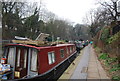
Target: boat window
<point x="11" y="55"/>
<point x="25" y="58"/>
<point x="73" y="48"/>
<point x="70" y="49"/>
<point x="18" y="58"/>
<point x="67" y="50"/>
<point x="51" y="57"/>
<point x="34" y="60"/>
<point x="62" y="53"/>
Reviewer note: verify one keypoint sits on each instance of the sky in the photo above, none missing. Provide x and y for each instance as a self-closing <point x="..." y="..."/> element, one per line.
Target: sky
<point x="73" y="10"/>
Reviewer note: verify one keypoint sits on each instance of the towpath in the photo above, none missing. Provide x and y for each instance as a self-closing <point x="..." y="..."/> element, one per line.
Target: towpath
<point x="86" y="66"/>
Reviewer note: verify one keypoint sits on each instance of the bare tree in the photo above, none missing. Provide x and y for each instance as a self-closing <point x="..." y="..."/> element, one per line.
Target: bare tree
<point x="111" y="7"/>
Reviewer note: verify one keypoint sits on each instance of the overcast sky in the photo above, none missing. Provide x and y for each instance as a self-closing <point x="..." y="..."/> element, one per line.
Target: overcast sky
<point x="74" y="10"/>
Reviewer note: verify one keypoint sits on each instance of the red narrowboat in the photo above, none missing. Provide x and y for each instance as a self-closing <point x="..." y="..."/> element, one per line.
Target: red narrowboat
<point x="37" y="62"/>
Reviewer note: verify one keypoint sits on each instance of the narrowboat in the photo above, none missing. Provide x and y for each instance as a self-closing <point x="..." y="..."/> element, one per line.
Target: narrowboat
<point x="27" y="62"/>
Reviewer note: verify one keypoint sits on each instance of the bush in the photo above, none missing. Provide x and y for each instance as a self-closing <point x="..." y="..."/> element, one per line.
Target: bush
<point x="95" y="46"/>
<point x="113" y="38"/>
<point x="103" y="56"/>
<point x="116" y="78"/>
<point x="105" y="34"/>
<point x="107" y="59"/>
<point x="115" y="68"/>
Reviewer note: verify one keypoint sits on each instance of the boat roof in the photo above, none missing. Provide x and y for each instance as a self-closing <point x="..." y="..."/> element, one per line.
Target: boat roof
<point x="38" y="47"/>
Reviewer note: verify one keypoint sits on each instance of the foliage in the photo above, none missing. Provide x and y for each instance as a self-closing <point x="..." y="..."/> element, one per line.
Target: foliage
<point x="103" y="56"/>
<point x="112" y="64"/>
<point x="108" y="60"/>
<point x="105" y="34"/>
<point x="111" y="60"/>
<point x="110" y="44"/>
<point x="98" y="50"/>
<point x="32" y="26"/>
<point x="27" y="20"/>
<point x="115" y="67"/>
<point x="113" y="38"/>
<point x="95" y="46"/>
<point x="116" y="78"/>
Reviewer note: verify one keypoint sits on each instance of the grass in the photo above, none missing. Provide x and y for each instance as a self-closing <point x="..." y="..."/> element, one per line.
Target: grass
<point x="110" y="64"/>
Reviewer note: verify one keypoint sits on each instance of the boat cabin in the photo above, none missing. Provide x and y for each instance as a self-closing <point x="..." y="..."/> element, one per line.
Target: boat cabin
<point x="28" y="61"/>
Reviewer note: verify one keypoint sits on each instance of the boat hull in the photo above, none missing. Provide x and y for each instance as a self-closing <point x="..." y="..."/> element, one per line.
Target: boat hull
<point x="54" y="74"/>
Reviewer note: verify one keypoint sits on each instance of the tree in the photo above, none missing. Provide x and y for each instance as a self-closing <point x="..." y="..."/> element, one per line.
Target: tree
<point x="111" y="7"/>
<point x="11" y="19"/>
<point x="29" y="20"/>
<point x="99" y="18"/>
<point x="81" y="32"/>
<point x="102" y="16"/>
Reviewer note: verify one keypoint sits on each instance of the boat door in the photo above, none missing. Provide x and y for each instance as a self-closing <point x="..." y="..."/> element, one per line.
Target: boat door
<point x="21" y="62"/>
<point x="33" y="62"/>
